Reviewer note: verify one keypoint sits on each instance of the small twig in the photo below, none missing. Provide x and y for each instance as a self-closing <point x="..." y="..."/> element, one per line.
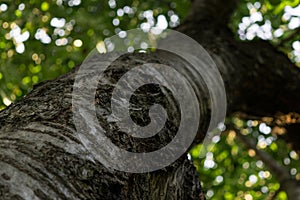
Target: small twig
<point x="288" y="38"/>
<point x="275" y="194"/>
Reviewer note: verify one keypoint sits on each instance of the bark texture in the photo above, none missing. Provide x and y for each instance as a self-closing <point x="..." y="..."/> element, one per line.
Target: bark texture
<point x="42" y="157"/>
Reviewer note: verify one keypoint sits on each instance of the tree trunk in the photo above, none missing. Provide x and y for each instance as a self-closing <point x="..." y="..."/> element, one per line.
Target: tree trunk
<point x="42" y="157"/>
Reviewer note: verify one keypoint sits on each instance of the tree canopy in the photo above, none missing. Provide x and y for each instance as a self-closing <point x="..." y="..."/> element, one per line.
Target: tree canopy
<point x="43" y="39"/>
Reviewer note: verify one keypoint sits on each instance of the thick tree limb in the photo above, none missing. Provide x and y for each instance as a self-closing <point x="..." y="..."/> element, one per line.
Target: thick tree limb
<point x="259" y="80"/>
<point x="42" y="157"/>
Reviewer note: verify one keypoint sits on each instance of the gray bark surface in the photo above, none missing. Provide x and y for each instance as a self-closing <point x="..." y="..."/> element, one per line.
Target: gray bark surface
<point x="42" y="156"/>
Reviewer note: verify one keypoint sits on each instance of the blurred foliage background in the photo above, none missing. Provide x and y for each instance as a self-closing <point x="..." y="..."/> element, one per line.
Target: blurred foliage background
<point x="233" y="170"/>
<point x="40" y="40"/>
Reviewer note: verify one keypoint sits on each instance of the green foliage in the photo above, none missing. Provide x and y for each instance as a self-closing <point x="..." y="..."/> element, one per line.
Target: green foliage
<point x="43" y="39"/>
<point x="275" y="20"/>
<point x="235" y="170"/>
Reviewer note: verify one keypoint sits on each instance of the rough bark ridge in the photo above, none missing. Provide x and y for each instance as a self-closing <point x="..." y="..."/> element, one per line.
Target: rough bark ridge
<point x="41" y="157"/>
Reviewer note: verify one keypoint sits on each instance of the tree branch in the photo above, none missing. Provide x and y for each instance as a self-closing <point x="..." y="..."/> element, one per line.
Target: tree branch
<point x="259" y="80"/>
<point x="212" y="10"/>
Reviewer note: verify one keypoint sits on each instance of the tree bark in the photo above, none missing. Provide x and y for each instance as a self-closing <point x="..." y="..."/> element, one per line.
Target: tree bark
<point x="42" y="157"/>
